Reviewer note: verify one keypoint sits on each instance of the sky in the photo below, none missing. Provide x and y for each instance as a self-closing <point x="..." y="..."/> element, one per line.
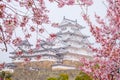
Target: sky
<point x="70" y="12"/>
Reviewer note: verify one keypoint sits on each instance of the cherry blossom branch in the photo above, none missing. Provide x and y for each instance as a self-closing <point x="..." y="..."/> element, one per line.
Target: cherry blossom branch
<point x="13" y="9"/>
<point x="3" y="38"/>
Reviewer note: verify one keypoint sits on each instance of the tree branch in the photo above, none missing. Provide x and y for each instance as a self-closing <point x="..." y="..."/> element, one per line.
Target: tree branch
<point x="3" y="38"/>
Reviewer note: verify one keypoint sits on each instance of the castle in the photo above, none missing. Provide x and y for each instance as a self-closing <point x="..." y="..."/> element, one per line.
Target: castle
<point x="63" y="53"/>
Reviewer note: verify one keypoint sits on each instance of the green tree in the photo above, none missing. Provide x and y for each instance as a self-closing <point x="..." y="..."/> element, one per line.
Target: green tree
<point x="63" y="77"/>
<point x="5" y="75"/>
<point x="8" y="76"/>
<point x="83" y="76"/>
<point x="2" y="75"/>
<point x="52" y="78"/>
<point x="60" y="77"/>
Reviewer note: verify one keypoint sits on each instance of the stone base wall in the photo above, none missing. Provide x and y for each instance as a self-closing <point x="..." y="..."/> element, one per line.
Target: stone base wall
<point x="45" y="64"/>
<point x="43" y="74"/>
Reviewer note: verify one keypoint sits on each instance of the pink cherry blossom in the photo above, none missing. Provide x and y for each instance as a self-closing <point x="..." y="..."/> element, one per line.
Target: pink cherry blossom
<point x="37" y="46"/>
<point x="27" y="59"/>
<point x="51" y="0"/>
<point x="16" y="41"/>
<point x="87" y="2"/>
<point x="53" y="35"/>
<point x="30" y="51"/>
<point x="41" y="30"/>
<point x="32" y="29"/>
<point x="19" y="53"/>
<point x="27" y="35"/>
<point x="55" y="24"/>
<point x="70" y="2"/>
<point x="38" y="57"/>
<point x="2" y="8"/>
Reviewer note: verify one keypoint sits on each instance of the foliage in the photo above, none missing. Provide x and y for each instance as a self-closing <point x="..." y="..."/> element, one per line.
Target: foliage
<point x="52" y="78"/>
<point x="5" y="75"/>
<point x="63" y="77"/>
<point x="83" y="76"/>
<point x="60" y="77"/>
<point x="2" y="74"/>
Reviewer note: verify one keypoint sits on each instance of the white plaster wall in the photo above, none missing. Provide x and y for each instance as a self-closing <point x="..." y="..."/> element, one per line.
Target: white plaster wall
<point x="63" y="67"/>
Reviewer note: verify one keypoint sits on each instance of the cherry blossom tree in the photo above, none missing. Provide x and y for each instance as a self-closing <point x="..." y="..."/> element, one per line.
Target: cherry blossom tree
<point x="29" y="21"/>
<point x="106" y="65"/>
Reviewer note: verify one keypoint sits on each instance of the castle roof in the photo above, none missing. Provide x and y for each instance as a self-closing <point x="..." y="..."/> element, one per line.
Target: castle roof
<point x="78" y="42"/>
<point x="28" y="56"/>
<point x="70" y="23"/>
<point x="70" y="33"/>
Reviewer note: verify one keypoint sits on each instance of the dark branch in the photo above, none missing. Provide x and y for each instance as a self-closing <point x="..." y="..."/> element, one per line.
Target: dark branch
<point x="3" y="38"/>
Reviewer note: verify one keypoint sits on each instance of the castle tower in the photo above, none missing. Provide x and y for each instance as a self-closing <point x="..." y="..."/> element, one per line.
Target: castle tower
<point x="71" y="40"/>
<point x="72" y="44"/>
